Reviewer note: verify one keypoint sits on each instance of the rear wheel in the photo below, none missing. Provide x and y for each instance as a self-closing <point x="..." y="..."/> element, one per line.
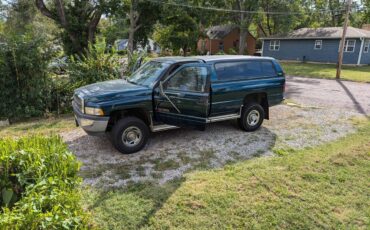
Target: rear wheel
<point x="129" y="135"/>
<point x="252" y="117"/>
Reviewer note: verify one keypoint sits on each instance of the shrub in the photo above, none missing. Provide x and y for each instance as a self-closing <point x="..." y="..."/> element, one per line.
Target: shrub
<point x="24" y="83"/>
<point x="232" y="51"/>
<point x="93" y="66"/>
<point x="137" y="60"/>
<point x="38" y="183"/>
<point x="62" y="92"/>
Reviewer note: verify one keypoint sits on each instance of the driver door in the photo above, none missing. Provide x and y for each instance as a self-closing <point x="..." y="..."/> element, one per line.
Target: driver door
<point x="182" y="99"/>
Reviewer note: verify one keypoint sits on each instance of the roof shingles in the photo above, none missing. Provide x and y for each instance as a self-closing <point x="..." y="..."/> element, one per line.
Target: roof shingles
<point x="324" y="32"/>
<point x="219" y="32"/>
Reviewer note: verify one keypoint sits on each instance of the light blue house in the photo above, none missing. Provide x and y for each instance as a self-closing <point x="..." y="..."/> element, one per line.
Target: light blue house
<point x="320" y="45"/>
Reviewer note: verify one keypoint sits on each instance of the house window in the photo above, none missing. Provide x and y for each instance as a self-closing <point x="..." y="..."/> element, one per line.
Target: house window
<point x="349" y="46"/>
<point x="367" y="46"/>
<point x="275" y="45"/>
<point x="318" y="45"/>
<point x="221" y="46"/>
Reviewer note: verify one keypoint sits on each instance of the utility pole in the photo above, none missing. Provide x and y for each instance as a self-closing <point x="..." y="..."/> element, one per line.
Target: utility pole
<point x="343" y="40"/>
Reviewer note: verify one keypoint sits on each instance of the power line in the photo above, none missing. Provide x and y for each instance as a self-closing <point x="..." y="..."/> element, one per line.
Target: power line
<point x="241" y="11"/>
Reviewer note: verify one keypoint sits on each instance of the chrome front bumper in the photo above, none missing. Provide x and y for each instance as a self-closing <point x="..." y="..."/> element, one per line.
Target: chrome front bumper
<point x="92" y="125"/>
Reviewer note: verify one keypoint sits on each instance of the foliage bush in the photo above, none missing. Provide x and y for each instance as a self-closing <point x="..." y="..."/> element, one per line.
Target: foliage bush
<point x="94" y="66"/>
<point x="137" y="60"/>
<point x="38" y="184"/>
<point x="232" y="51"/>
<point x="24" y="83"/>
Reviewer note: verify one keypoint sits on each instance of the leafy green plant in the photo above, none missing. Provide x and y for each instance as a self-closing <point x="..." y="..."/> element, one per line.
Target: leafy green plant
<point x="38" y="183"/>
<point x="94" y="66"/>
<point x="232" y="51"/>
<point x="137" y="60"/>
<point x="24" y="82"/>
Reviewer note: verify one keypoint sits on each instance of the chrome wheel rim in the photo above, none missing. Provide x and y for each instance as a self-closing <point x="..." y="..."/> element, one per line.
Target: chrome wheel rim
<point x="253" y="118"/>
<point x="132" y="136"/>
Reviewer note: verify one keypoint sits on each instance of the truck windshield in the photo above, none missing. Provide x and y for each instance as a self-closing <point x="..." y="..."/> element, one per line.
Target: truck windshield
<point x="147" y="74"/>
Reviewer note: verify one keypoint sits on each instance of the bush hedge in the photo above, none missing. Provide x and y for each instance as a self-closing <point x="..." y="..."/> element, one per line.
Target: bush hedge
<point x="24" y="82"/>
<point x="94" y="66"/>
<point x="39" y="185"/>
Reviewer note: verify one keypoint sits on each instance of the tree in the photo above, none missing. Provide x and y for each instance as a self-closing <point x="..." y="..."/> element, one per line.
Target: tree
<point x="113" y="28"/>
<point x="366" y="17"/>
<point x="177" y="30"/>
<point x="78" y="19"/>
<point x="270" y="24"/>
<point x="19" y="15"/>
<point x="142" y="16"/>
<point x="243" y="19"/>
<point x="25" y="52"/>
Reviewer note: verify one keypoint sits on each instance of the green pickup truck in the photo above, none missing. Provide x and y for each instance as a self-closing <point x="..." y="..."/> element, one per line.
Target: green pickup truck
<point x="172" y="92"/>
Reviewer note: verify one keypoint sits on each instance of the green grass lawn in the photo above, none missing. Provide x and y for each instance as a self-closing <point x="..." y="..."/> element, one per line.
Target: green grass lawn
<point x="352" y="73"/>
<point x="39" y="126"/>
<point x="324" y="187"/>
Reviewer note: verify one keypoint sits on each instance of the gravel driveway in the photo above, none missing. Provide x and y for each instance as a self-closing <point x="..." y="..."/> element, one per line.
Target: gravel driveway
<point x="317" y="111"/>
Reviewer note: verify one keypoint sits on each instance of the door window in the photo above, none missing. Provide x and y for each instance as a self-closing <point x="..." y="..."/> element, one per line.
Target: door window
<point x="189" y="79"/>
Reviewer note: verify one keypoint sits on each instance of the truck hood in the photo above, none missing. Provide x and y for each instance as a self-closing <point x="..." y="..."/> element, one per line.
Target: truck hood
<point x="107" y="88"/>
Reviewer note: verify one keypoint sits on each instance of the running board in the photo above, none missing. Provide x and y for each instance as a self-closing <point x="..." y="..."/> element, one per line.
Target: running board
<point x="159" y="128"/>
<point x="223" y="118"/>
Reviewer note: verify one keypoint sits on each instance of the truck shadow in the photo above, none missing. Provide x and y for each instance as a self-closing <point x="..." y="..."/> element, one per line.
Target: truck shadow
<point x="157" y="171"/>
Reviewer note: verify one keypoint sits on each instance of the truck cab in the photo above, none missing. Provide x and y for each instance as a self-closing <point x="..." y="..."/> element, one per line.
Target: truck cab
<point x="174" y="92"/>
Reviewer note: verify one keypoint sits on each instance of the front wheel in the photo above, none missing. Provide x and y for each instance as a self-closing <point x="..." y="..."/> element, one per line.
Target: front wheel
<point x="129" y="135"/>
<point x="252" y="117"/>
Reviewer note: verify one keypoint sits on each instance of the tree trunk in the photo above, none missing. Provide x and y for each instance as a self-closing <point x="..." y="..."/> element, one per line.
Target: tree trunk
<point x="93" y="26"/>
<point x="131" y="34"/>
<point x="242" y="40"/>
<point x="134" y="18"/>
<point x="332" y="13"/>
<point x="243" y="33"/>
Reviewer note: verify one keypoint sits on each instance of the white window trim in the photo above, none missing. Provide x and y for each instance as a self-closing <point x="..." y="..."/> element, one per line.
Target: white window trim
<point x="346" y="46"/>
<point x="367" y="45"/>
<point x="314" y="47"/>
<point x="276" y="43"/>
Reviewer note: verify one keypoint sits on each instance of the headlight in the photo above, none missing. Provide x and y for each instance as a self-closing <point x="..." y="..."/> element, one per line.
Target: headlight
<point x="94" y="111"/>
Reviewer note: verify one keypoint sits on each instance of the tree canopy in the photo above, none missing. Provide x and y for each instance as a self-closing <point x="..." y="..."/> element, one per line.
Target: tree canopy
<point x="79" y="19"/>
<point x="187" y="20"/>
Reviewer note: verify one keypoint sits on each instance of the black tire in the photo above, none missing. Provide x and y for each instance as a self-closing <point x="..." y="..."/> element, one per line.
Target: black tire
<point x="252" y="117"/>
<point x="136" y="130"/>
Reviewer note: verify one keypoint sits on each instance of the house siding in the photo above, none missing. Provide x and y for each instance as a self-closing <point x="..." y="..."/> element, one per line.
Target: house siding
<point x="365" y="59"/>
<point x="304" y="49"/>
